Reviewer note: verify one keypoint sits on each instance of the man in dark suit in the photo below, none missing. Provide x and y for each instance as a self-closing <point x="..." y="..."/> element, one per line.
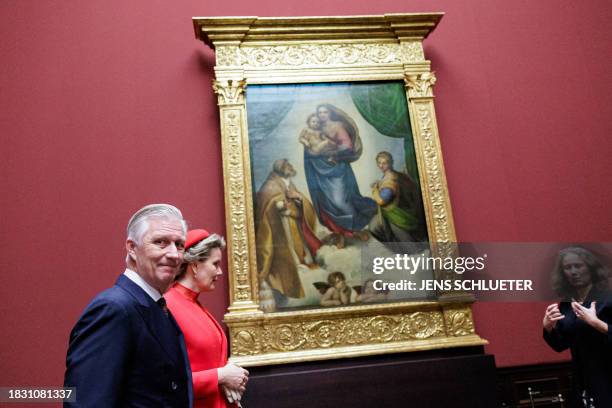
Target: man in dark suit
<point x="126" y="350"/>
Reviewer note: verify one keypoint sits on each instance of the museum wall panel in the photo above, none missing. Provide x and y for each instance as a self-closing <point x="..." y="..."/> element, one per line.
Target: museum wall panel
<point x="106" y="106"/>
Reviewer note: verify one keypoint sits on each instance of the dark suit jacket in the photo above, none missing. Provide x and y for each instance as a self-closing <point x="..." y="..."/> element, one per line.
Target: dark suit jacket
<point x="125" y="352"/>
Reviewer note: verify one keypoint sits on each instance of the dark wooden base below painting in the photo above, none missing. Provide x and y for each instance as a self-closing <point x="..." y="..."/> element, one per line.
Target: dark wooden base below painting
<point x="462" y="377"/>
<point x="546" y="381"/>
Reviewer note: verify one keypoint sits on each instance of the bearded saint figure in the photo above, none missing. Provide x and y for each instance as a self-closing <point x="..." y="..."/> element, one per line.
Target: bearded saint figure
<point x="285" y="223"/>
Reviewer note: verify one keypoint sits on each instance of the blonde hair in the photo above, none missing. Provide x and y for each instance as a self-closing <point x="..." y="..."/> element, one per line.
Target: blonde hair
<point x="200" y="251"/>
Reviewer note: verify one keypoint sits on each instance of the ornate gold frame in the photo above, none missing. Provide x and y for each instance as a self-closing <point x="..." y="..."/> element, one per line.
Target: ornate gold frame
<point x="253" y="50"/>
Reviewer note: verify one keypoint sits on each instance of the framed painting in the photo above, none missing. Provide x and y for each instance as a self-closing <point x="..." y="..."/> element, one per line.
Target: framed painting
<point x="331" y="157"/>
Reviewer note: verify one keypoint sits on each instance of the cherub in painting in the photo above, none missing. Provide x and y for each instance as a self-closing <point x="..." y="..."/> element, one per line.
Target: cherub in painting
<point x="338" y="292"/>
<point x="368" y="294"/>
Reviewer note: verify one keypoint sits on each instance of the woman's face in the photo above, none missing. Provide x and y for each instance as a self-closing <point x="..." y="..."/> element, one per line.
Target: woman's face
<point x="323" y="114"/>
<point x="576" y="271"/>
<point x="207" y="272"/>
<point x="382" y="163"/>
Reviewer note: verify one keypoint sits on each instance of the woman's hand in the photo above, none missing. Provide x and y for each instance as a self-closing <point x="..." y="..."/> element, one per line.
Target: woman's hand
<point x="589" y="316"/>
<point x="233" y="377"/>
<point x="232" y="395"/>
<point x="551" y="316"/>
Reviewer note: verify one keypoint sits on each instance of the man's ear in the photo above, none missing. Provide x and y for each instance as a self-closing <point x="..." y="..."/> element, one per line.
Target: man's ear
<point x="130" y="247"/>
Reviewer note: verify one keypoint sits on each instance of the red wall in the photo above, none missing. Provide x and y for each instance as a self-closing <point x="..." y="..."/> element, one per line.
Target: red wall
<point x="107" y="106"/>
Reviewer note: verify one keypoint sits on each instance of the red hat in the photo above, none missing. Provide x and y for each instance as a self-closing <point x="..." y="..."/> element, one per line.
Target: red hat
<point x="195" y="236"/>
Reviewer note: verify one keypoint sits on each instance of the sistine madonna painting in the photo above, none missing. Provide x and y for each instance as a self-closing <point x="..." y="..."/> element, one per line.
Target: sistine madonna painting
<point x="335" y="181"/>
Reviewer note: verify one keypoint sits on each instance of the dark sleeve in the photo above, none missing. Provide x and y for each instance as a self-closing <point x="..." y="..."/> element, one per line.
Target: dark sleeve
<point x="559" y="339"/>
<point x="97" y="355"/>
<point x="555" y="340"/>
<point x="606" y="316"/>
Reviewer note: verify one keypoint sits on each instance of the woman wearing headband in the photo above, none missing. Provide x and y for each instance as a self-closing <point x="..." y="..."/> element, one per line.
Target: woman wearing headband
<point x="216" y="383"/>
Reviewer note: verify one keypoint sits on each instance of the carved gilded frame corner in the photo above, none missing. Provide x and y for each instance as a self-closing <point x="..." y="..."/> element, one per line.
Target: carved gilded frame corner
<point x="252" y="50"/>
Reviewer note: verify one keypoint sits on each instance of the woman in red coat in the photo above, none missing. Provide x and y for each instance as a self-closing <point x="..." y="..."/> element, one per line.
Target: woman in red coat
<point x="216" y="383"/>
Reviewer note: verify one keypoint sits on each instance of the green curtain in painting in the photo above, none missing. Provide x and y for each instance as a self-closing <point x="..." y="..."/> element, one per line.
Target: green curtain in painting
<point x="384" y="106"/>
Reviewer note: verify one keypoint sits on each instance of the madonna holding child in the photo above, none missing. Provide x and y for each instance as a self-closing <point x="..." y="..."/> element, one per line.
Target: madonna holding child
<point x="331" y="181"/>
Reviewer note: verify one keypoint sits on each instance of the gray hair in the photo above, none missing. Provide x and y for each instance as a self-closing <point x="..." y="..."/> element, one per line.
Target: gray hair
<point x="138" y="224"/>
<point x="279" y="165"/>
<point x="201" y="251"/>
<point x="599" y="272"/>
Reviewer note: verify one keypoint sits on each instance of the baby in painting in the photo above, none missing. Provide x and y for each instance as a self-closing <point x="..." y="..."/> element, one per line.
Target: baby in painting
<point x="314" y="140"/>
<point x="339" y="293"/>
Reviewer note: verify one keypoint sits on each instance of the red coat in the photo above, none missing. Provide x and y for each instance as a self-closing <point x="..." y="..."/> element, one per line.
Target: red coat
<point x="206" y="345"/>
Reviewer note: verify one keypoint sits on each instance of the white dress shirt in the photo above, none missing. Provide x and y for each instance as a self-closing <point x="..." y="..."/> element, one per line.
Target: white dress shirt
<point x="137" y="279"/>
